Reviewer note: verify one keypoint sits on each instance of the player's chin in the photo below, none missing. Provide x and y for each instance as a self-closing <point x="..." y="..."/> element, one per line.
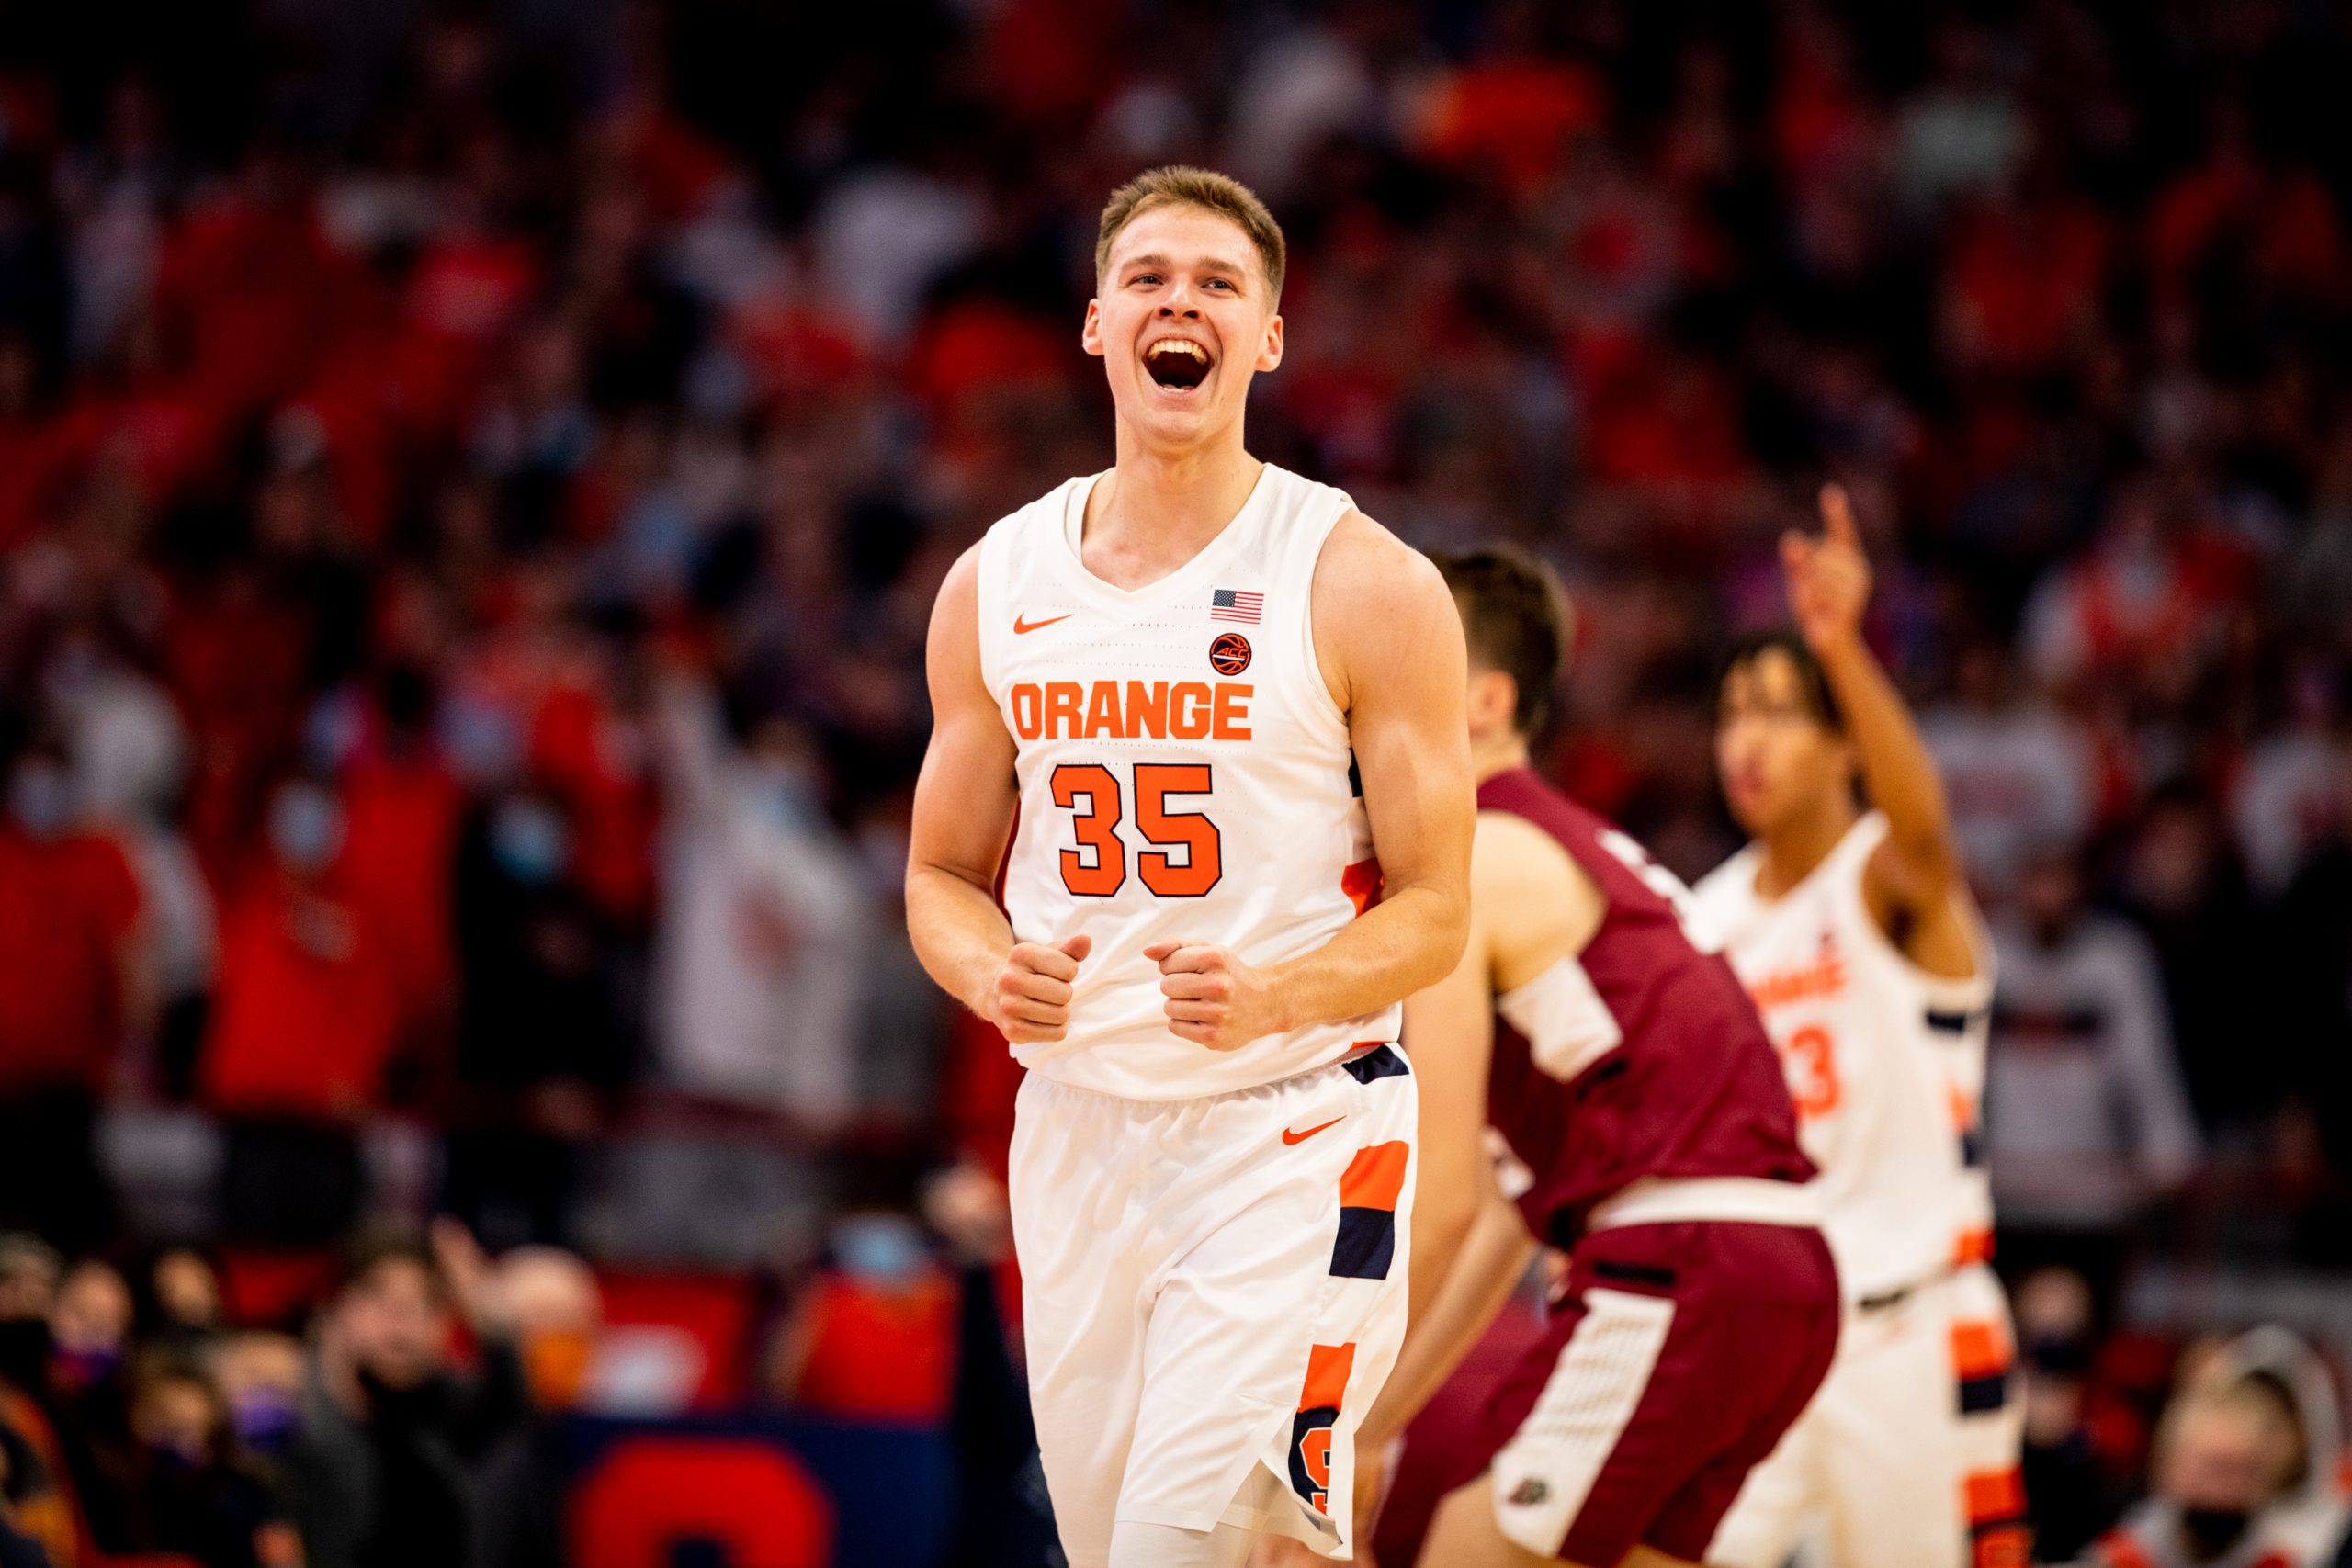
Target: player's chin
<point x="1175" y="410"/>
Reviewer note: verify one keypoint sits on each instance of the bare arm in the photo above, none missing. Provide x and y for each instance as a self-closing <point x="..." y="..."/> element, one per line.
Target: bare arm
<point x="1493" y="1255"/>
<point x="1915" y="879"/>
<point x="1391" y="646"/>
<point x="1449" y="1036"/>
<point x="1531" y="906"/>
<point x="965" y="801"/>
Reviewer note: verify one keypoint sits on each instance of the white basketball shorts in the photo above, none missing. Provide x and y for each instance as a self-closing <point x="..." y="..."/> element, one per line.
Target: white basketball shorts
<point x="1210" y="1285"/>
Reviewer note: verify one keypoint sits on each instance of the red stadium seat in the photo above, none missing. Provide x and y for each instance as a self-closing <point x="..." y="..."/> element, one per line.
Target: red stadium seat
<point x="648" y="1494"/>
<point x="270" y="1288"/>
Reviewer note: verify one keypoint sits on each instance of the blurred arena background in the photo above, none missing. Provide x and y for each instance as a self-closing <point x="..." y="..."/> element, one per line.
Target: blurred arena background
<point x="472" y="480"/>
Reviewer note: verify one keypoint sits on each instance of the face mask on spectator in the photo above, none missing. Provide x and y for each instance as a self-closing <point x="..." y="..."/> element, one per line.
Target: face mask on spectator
<point x="178" y="1455"/>
<point x="83" y="1369"/>
<point x="882" y="1249"/>
<point x="2061" y="1355"/>
<point x="263" y="1420"/>
<point x="783" y="794"/>
<point x="528" y="840"/>
<point x="305" y="827"/>
<point x="2212" y="1531"/>
<point x="40" y="797"/>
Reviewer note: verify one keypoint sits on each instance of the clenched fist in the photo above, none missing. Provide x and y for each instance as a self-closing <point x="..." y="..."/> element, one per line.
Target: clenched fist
<point x="1030" y="1001"/>
<point x="1213" y="998"/>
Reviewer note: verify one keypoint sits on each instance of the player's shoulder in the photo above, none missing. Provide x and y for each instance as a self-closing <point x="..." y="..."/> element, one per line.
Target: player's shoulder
<point x="1371" y="576"/>
<point x="1513" y="858"/>
<point x="1530" y="895"/>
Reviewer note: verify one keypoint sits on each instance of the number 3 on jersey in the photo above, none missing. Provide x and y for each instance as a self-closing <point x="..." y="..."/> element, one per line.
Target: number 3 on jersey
<point x="1097" y="868"/>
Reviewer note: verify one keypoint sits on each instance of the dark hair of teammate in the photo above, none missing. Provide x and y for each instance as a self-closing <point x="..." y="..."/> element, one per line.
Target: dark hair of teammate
<point x="1812" y="683"/>
<point x="1515" y="616"/>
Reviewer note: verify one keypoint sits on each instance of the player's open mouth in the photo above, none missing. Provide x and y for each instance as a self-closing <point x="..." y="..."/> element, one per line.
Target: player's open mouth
<point x="1175" y="363"/>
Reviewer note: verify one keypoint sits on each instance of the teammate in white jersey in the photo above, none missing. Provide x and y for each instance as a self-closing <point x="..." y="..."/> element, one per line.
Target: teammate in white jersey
<point x="1855" y="934"/>
<point x="1195" y="692"/>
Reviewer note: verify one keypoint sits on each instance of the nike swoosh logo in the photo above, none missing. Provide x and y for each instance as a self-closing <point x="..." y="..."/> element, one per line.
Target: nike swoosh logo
<point x="1021" y="627"/>
<point x="1291" y="1137"/>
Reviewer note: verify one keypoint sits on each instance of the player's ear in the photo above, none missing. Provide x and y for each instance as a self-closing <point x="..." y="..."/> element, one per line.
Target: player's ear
<point x="1089" y="336"/>
<point x="1493" y="699"/>
<point x="1270" y="351"/>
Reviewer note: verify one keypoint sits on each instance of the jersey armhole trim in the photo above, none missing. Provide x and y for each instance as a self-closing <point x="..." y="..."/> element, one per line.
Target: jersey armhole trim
<point x="1320" y="705"/>
<point x="988" y="598"/>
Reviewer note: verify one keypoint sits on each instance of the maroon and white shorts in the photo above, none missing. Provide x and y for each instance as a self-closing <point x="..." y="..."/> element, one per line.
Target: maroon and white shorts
<point x="1679" y="1354"/>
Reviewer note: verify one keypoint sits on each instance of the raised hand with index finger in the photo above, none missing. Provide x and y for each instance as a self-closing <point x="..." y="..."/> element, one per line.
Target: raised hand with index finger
<point x="1828" y="575"/>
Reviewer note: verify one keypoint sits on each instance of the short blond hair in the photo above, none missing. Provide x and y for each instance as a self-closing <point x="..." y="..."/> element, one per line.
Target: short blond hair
<point x="1178" y="184"/>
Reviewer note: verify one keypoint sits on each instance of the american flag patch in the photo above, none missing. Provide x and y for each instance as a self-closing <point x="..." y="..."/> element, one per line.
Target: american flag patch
<point x="1236" y="604"/>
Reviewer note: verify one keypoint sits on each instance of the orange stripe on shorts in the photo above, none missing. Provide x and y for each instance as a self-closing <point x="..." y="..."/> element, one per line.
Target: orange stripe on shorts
<point x="1375" y="1176"/>
<point x="1996" y="1494"/>
<point x="1972" y="1247"/>
<point x="1979" y="1350"/>
<point x="1328" y="1369"/>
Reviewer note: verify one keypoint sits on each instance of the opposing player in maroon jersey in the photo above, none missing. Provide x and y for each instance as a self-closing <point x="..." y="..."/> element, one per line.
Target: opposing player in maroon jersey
<point x="1624" y="1066"/>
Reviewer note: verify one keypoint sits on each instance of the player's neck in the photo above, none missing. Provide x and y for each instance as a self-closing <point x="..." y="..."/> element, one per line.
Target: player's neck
<point x="1793" y="847"/>
<point x="1492" y="754"/>
<point x="1162" y="506"/>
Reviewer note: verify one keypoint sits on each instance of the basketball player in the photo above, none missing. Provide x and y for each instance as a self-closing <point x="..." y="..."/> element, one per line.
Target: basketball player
<point x="1194" y="692"/>
<point x="1630" y="1077"/>
<point x="1854" y="932"/>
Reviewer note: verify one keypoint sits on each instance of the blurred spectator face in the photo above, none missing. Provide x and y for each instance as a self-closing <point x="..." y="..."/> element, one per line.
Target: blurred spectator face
<point x="2050" y="895"/>
<point x="90" y="1321"/>
<point x="2222" y="1466"/>
<point x="785" y="773"/>
<point x="1179" y="276"/>
<point x="558" y="1314"/>
<point x="305" y="828"/>
<point x="1776" y="756"/>
<point x="28" y="1270"/>
<point x="178" y="1413"/>
<point x="292" y="515"/>
<point x="187" y="1292"/>
<point x="40" y="795"/>
<point x="2175" y="857"/>
<point x="396" y="1324"/>
<point x="261" y="1381"/>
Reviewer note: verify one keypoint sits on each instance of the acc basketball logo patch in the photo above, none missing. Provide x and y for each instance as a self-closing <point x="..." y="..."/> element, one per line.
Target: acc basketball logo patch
<point x="1229" y="654"/>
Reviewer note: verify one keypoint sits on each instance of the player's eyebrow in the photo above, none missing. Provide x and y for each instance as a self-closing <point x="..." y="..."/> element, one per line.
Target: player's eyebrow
<point x="1217" y="265"/>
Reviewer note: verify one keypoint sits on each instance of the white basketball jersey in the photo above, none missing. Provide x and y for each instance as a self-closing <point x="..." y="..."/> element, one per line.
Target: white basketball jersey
<point x="1184" y="775"/>
<point x="1862" y="1033"/>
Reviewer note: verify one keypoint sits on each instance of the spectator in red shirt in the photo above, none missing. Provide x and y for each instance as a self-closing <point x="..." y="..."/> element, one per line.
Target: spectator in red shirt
<point x="303" y="1028"/>
<point x="69" y="916"/>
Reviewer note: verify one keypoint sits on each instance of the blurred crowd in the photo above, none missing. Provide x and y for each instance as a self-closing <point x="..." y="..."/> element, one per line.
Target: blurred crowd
<point x="472" y="477"/>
